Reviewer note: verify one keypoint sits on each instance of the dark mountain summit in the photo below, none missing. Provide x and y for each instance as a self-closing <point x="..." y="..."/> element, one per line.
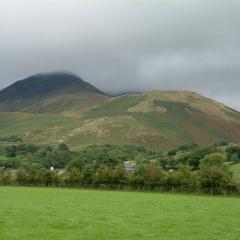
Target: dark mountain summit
<point x="48" y="92"/>
<point x="44" y="84"/>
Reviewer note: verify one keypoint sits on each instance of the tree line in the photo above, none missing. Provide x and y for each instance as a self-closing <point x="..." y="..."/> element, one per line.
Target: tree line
<point x="189" y="169"/>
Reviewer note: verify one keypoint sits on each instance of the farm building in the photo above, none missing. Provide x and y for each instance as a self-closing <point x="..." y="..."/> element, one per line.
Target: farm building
<point x="129" y="166"/>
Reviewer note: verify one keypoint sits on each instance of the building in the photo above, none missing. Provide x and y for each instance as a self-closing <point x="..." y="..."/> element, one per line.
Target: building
<point x="129" y="166"/>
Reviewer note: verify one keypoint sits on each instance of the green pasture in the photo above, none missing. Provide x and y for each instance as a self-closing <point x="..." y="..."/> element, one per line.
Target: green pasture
<point x="51" y="213"/>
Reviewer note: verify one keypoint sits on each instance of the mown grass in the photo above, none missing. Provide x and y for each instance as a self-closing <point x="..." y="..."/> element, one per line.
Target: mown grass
<point x="44" y="213"/>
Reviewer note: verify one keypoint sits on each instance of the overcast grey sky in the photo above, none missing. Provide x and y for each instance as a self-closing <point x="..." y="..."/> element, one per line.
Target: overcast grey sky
<point x="126" y="45"/>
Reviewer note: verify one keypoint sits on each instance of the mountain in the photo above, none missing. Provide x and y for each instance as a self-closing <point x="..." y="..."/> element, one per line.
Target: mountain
<point x="53" y="92"/>
<point x="63" y="108"/>
<point x="159" y="120"/>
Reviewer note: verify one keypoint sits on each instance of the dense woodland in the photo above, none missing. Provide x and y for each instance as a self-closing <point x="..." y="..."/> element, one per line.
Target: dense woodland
<point x="187" y="168"/>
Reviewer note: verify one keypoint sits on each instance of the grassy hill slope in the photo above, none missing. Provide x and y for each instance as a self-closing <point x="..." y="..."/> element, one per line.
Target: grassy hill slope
<point x="60" y="107"/>
<point x="157" y="120"/>
<point x="166" y="119"/>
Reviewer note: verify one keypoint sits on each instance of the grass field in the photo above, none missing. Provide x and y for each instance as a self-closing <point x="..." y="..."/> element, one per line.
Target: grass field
<point x="38" y="213"/>
<point x="235" y="169"/>
<point x="2" y="158"/>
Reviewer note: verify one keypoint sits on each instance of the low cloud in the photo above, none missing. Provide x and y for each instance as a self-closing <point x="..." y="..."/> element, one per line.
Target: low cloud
<point x="127" y="45"/>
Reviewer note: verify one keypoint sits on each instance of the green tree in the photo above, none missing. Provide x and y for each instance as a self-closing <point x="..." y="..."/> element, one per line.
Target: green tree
<point x="214" y="174"/>
<point x="213" y="159"/>
<point x="187" y="179"/>
<point x="137" y="177"/>
<point x="73" y="177"/>
<point x="170" y="181"/>
<point x="119" y="175"/>
<point x="87" y="174"/>
<point x="152" y="174"/>
<point x="103" y="175"/>
<point x="63" y="147"/>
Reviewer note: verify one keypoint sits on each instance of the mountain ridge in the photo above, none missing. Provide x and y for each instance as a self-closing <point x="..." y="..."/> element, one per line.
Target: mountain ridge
<point x="155" y="119"/>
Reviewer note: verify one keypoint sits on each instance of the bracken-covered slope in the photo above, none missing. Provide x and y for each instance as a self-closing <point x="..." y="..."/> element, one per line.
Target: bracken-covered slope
<point x="54" y="92"/>
<point x="160" y="119"/>
<point x="157" y="119"/>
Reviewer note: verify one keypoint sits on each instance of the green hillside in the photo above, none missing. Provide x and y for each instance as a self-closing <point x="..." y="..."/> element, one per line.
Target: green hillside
<point x="64" y="108"/>
<point x="235" y="168"/>
<point x="163" y="119"/>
